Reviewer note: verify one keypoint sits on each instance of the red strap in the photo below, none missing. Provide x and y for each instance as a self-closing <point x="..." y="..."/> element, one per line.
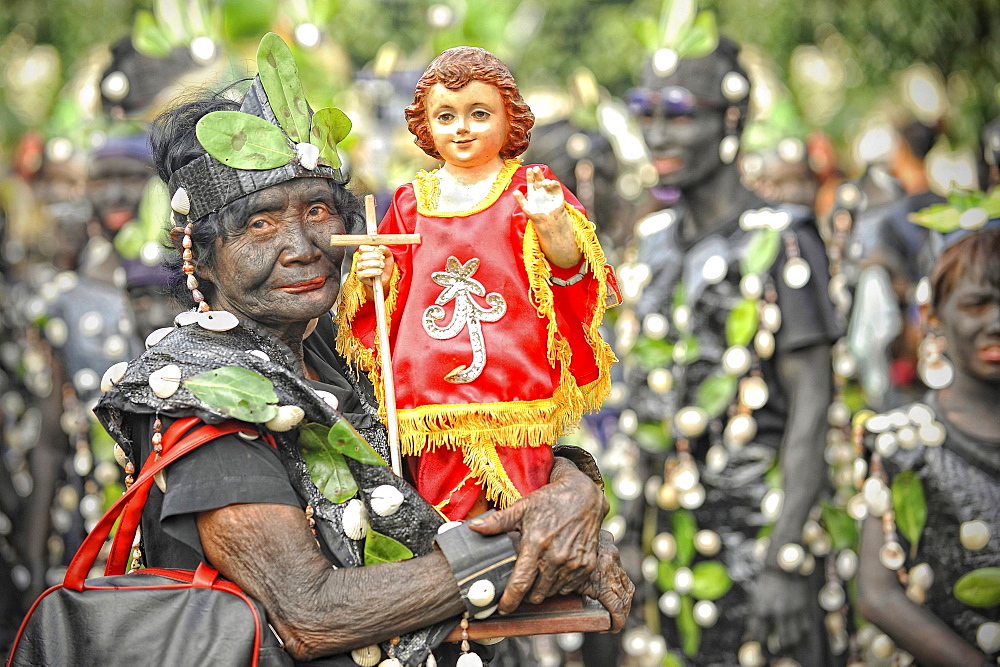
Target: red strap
<point x="204" y="576"/>
<point x="132" y="501"/>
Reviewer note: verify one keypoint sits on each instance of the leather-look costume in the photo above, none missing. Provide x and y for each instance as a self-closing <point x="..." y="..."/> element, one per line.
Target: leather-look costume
<point x="477" y="301"/>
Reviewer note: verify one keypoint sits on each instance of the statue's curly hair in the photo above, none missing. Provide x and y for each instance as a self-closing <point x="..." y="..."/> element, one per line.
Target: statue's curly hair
<point x="456" y="68"/>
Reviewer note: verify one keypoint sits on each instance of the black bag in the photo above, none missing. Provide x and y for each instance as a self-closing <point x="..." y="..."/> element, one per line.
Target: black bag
<point x="152" y="616"/>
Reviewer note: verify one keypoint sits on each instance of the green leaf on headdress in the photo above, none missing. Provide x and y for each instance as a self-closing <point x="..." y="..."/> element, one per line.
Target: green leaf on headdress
<point x="236" y="392"/>
<point x="947" y="217"/>
<point x="154" y="209"/>
<point x="330" y="127"/>
<point x="172" y="18"/>
<point x="147" y="37"/>
<point x="381" y="548"/>
<point x="910" y="506"/>
<point x="243" y="141"/>
<point x="280" y="77"/>
<point x="345" y="440"/>
<point x="327" y="468"/>
<point x="701" y="39"/>
<point x="676" y="18"/>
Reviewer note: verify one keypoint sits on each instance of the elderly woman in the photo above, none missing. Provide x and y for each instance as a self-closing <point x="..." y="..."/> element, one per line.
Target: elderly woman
<point x="949" y="474"/>
<point x="293" y="524"/>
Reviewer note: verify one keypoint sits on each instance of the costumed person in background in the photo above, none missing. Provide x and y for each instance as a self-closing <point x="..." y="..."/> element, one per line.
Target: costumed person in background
<point x="273" y="511"/>
<point x="479" y="410"/>
<point x="728" y="376"/>
<point x="930" y="546"/>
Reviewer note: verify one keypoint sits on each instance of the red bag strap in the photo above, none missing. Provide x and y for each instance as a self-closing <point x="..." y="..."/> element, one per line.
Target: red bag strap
<point x="179" y="439"/>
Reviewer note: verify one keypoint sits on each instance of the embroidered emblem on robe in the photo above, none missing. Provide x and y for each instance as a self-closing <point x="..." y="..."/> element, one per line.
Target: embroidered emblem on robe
<point x="459" y="285"/>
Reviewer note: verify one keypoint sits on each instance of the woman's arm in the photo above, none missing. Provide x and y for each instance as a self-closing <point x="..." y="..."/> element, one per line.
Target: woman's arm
<point x="269" y="551"/>
<point x="882" y="601"/>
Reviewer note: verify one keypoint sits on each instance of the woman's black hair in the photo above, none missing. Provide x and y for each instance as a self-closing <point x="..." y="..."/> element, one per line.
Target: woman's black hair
<point x="174" y="144"/>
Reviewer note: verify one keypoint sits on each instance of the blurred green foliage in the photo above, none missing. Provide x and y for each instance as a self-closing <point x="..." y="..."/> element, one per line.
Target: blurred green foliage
<point x="544" y="41"/>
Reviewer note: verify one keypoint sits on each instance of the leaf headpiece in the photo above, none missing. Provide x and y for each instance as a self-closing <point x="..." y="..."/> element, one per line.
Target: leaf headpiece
<point x="273" y="138"/>
<point x="965" y="209"/>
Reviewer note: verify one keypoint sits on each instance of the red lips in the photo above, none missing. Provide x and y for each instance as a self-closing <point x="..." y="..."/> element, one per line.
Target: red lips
<point x="307" y="286"/>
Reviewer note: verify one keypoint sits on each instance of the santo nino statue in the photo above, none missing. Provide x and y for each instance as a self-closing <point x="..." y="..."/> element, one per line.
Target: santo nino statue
<point x="494" y="317"/>
<point x="729" y="360"/>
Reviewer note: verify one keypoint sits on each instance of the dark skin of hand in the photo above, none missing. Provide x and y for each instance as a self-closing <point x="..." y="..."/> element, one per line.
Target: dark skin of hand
<point x="269" y="551"/>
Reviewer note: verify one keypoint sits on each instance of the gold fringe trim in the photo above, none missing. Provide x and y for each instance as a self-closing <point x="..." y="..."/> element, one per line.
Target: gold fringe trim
<point x="484" y="462"/>
<point x="427" y="189"/>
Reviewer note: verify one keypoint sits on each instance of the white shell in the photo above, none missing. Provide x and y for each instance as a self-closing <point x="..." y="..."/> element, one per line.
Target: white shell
<point x="165" y="381"/>
<point x="974" y="535"/>
<point x="329" y="398"/>
<point x="469" y="660"/>
<point x="217" y="320"/>
<point x="260" y="354"/>
<point x="180" y="202"/>
<point x="355" y="519"/>
<point x="988" y="637"/>
<point x="482" y="593"/>
<point x="489" y="641"/>
<point x="448" y="525"/>
<point x="185" y="318"/>
<point x="287" y="418"/>
<point x="161" y="480"/>
<point x="683" y="580"/>
<point x="113" y="375"/>
<point x="156" y="336"/>
<point x="390" y="662"/>
<point x="120" y="455"/>
<point x="367" y="656"/>
<point x="485" y="613"/>
<point x="386" y="499"/>
<point x="706" y="614"/>
<point x="308" y="155"/>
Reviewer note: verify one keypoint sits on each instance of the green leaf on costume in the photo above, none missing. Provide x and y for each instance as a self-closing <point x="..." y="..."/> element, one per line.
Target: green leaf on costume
<point x="684" y="529"/>
<point x="979" y="588"/>
<point x="910" y="507"/>
<point x="688" y="628"/>
<point x="243" y="141"/>
<point x="653" y="353"/>
<point x="647" y="33"/>
<point x="280" y="77"/>
<point x="715" y="393"/>
<point x="345" y="440"/>
<point x="671" y="659"/>
<point x="760" y="252"/>
<point x="701" y="39"/>
<point x="741" y="323"/>
<point x="711" y="580"/>
<point x="665" y="572"/>
<point x="327" y="468"/>
<point x="381" y="548"/>
<point x="147" y="37"/>
<point x="330" y="127"/>
<point x="652" y="437"/>
<point x="236" y="392"/>
<point x="842" y="528"/>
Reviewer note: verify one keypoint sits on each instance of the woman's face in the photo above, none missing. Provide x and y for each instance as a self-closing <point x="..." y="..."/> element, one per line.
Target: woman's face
<point x="280" y="268"/>
<point x="468" y="125"/>
<point x="970" y="321"/>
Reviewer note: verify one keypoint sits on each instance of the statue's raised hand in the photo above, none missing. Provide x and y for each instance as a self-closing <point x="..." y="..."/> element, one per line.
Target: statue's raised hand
<point x="545" y="205"/>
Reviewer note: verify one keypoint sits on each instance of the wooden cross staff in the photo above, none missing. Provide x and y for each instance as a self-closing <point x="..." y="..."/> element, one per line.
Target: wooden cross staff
<point x="374" y="238"/>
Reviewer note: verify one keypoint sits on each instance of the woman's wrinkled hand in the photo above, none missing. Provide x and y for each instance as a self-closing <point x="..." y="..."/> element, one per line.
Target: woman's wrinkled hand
<point x="373" y="262"/>
<point x="559" y="526"/>
<point x="608" y="583"/>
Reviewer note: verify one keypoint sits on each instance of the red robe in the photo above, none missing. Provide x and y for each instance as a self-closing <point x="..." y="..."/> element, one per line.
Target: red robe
<point x="542" y="360"/>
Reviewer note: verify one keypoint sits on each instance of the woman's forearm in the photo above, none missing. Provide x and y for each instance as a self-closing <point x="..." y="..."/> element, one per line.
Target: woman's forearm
<point x="317" y="610"/>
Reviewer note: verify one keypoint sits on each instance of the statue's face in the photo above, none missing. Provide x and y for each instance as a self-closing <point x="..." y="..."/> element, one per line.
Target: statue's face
<point x="683" y="121"/>
<point x="970" y="322"/>
<point x="469" y="125"/>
